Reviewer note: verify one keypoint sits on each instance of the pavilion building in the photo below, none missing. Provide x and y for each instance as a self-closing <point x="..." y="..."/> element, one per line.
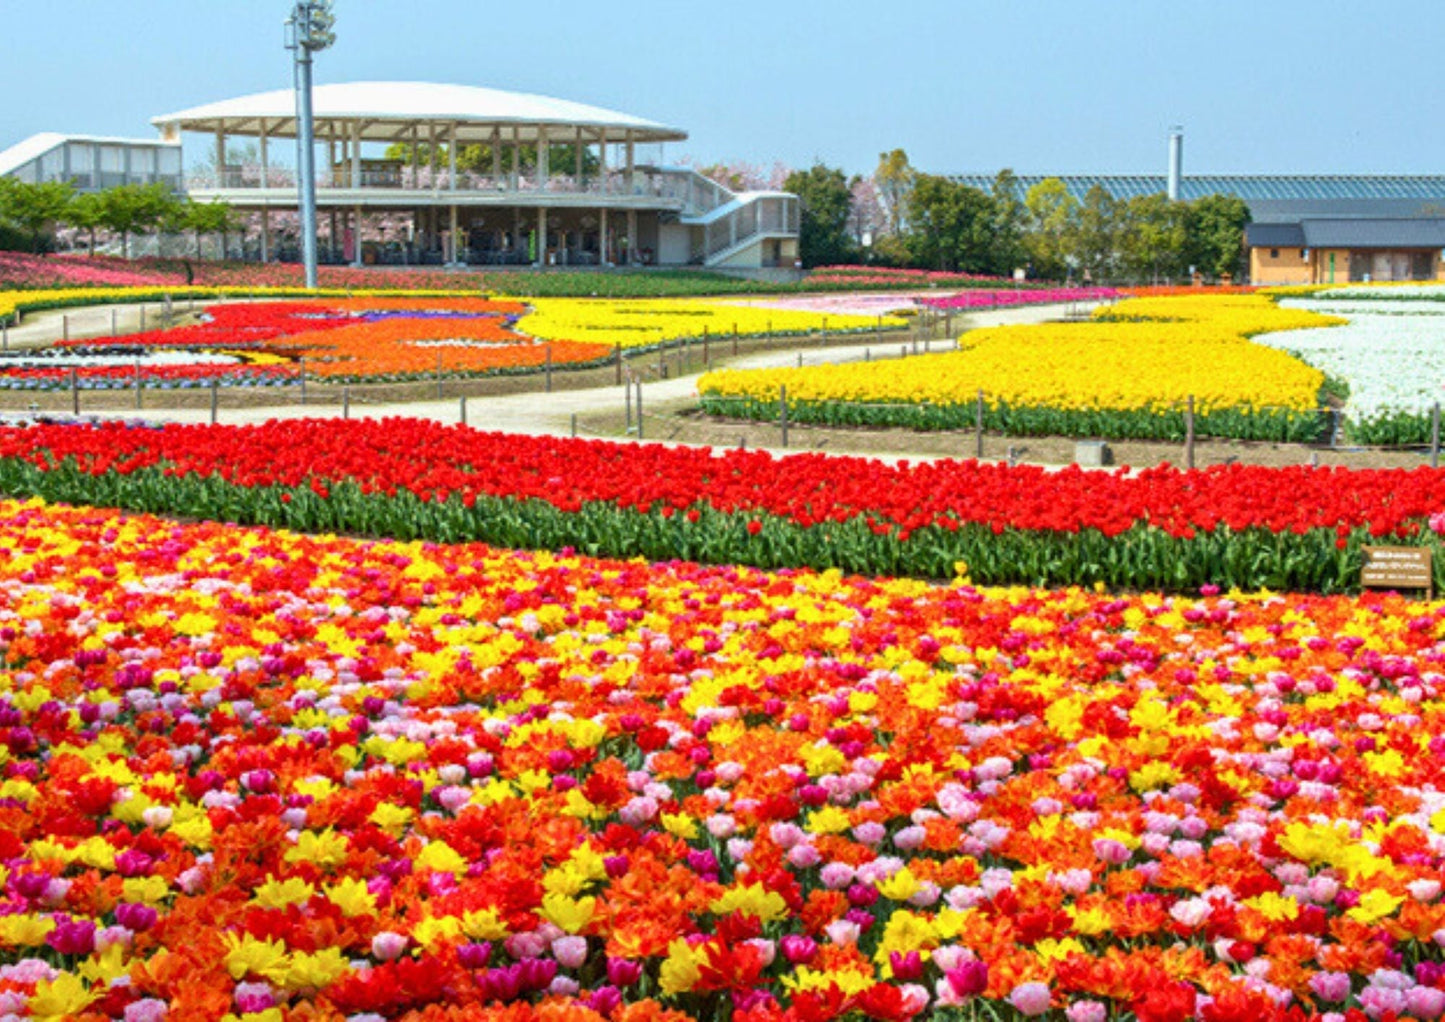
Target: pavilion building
<point x="521" y="205"/>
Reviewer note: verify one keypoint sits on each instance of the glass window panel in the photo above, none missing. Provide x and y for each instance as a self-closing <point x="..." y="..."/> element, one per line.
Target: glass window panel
<point x="52" y="165"/>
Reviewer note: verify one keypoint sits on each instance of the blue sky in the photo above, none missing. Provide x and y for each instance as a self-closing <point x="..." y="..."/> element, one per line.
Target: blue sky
<point x="1271" y="86"/>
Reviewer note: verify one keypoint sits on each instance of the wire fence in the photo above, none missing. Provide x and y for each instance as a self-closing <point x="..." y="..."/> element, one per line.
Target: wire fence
<point x="637" y="419"/>
<point x="137" y="386"/>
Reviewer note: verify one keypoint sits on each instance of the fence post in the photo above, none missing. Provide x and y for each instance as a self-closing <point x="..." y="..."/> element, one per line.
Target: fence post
<point x="574" y="425"/>
<point x="878" y="327"/>
<point x="627" y="399"/>
<point x="735" y="337"/>
<point x="142" y="317"/>
<point x="301" y="371"/>
<point x="346" y="402"/>
<point x="706" y="350"/>
<point x="439" y="375"/>
<point x="1189" y="433"/>
<point x="137" y="383"/>
<point x="903" y="350"/>
<point x="783" y="413"/>
<point x="948" y="323"/>
<point x="65" y="325"/>
<point x="75" y="391"/>
<point x="823" y="337"/>
<point x="639" y="409"/>
<point x="215" y="398"/>
<point x="463" y="410"/>
<point x="978" y="424"/>
<point x="5" y="336"/>
<point x="800" y="360"/>
<point x="549" y="373"/>
<point x="867" y="354"/>
<point x="1435" y="436"/>
<point x="114" y="328"/>
<point x="619" y="364"/>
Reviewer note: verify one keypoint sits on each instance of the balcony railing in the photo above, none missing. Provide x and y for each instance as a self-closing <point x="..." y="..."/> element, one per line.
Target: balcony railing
<point x="693" y="193"/>
<point x="759" y="215"/>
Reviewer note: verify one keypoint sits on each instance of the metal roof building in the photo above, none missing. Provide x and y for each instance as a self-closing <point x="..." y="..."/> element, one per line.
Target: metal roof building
<point x="1272" y="198"/>
<point x="1349" y="233"/>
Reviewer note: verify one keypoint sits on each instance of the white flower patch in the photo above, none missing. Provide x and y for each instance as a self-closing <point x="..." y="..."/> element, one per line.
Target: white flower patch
<point x="1391" y="352"/>
<point x="57" y="358"/>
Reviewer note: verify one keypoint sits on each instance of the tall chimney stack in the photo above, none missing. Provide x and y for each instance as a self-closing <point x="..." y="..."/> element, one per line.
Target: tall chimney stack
<point x="1176" y="161"/>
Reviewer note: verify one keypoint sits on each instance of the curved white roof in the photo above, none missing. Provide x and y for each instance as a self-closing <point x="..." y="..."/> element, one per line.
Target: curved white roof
<point x="383" y="108"/>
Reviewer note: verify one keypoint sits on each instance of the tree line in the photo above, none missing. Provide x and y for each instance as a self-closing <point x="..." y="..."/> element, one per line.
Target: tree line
<point x="928" y="221"/>
<point x="29" y="212"/>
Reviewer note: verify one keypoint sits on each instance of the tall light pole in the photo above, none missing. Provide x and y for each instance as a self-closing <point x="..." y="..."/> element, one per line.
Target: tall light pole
<point x="310" y="31"/>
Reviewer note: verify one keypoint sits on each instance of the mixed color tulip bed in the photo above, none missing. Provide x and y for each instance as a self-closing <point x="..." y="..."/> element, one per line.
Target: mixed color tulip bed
<point x="1127" y="374"/>
<point x="387" y="337"/>
<point x="375" y="720"/>
<point x="255" y="775"/>
<point x="1246" y="526"/>
<point x="22" y="271"/>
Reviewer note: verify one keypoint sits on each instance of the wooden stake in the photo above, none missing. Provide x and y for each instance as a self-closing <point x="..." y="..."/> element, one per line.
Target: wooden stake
<point x="978" y="425"/>
<point x="1189" y="433"/>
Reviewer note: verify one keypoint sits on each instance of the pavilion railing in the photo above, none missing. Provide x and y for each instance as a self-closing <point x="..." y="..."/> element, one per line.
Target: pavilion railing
<point x="695" y="194"/>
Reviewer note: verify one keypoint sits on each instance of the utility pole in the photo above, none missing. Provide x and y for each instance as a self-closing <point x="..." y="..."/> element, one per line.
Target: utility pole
<point x="309" y="30"/>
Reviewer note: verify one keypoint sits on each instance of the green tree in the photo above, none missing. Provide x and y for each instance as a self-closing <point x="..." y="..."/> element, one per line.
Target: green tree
<point x="1010" y="223"/>
<point x="127" y="209"/>
<point x="1096" y="234"/>
<point x="31" y="208"/>
<point x="203" y="218"/>
<point x="1214" y="229"/>
<point x="894" y="179"/>
<point x="86" y="212"/>
<point x="1053" y="219"/>
<point x="1152" y="243"/>
<point x="826" y="197"/>
<point x="950" y="226"/>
